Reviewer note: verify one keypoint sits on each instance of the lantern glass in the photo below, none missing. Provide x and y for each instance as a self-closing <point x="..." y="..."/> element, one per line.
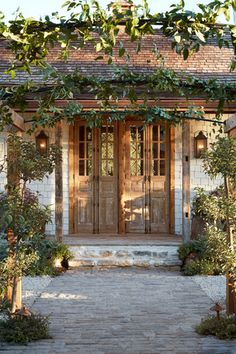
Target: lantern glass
<point x="42" y="143"/>
<point x="200" y="144"/>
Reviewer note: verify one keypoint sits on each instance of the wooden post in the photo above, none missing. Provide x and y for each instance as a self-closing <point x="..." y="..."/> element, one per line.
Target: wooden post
<point x="71" y="180"/>
<point x="172" y="180"/>
<point x="14" y="291"/>
<point x="14" y="297"/>
<point x="121" y="186"/>
<point x="59" y="187"/>
<point x="186" y="181"/>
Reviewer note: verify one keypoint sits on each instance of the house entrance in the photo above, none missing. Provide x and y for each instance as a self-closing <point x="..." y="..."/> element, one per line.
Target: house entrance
<point x="98" y="165"/>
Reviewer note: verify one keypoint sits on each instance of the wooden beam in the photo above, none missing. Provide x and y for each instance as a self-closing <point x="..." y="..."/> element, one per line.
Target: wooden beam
<point x="18" y="121"/>
<point x="71" y="180"/>
<point x="168" y="103"/>
<point x="121" y="180"/>
<point x="14" y="291"/>
<point x="59" y="187"/>
<point x="186" y="145"/>
<point x="172" y="180"/>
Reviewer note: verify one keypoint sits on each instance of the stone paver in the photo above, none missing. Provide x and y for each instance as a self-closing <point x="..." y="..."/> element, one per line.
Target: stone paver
<point x="119" y="311"/>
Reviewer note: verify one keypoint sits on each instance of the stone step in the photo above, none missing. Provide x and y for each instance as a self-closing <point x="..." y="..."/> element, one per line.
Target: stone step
<point x="125" y="256"/>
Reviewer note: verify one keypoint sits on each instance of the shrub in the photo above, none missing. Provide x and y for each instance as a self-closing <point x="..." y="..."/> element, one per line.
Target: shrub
<point x="23" y="330"/>
<point x="224" y="328"/>
<point x="203" y="267"/>
<point x="214" y="255"/>
<point x="195" y="246"/>
<point x="48" y="251"/>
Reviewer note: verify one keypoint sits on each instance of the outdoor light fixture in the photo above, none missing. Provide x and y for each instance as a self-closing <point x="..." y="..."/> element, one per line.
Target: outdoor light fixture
<point x="42" y="143"/>
<point x="200" y="144"/>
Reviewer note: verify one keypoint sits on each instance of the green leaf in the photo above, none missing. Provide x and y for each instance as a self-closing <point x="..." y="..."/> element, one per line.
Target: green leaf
<point x="185" y="53"/>
<point x="100" y="57"/>
<point x="200" y="35"/>
<point x="177" y="38"/>
<point x="121" y="52"/>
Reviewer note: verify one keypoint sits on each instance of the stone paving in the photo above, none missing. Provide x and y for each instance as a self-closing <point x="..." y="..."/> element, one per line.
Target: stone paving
<point x="115" y="311"/>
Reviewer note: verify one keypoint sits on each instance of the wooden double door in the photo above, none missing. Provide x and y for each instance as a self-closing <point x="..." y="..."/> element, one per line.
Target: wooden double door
<point x="121" y="178"/>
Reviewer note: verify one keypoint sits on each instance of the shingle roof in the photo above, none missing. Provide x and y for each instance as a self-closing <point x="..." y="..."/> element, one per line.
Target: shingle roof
<point x="209" y="62"/>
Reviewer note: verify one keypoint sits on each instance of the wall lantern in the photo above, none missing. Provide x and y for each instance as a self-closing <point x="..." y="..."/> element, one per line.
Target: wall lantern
<point x="200" y="144"/>
<point x="42" y="143"/>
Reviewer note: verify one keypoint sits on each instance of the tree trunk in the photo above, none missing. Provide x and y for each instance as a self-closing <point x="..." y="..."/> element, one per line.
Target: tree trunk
<point x="14" y="291"/>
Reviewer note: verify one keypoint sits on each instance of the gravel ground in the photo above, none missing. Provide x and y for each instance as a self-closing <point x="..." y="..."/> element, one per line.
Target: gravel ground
<point x="33" y="287"/>
<point x="213" y="286"/>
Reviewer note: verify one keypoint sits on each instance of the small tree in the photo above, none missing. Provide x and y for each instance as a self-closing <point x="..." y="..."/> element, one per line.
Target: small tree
<point x="21" y="216"/>
<point x="221" y="160"/>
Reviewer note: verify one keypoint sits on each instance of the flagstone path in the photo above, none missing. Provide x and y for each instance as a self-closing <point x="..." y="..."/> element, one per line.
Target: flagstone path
<point x="115" y="311"/>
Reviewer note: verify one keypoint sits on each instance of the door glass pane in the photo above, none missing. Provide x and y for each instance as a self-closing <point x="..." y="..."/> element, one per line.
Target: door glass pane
<point x="81" y="150"/>
<point x="85" y="151"/>
<point x="155" y="168"/>
<point x="155" y="150"/>
<point x="89" y="150"/>
<point x="140" y="150"/>
<point x="89" y="167"/>
<point x="104" y="150"/>
<point x="132" y="134"/>
<point x="110" y="168"/>
<point x="81" y="133"/>
<point x="162" y="133"/>
<point x="133" y="167"/>
<point x="133" y="150"/>
<point x="162" y="168"/>
<point x="89" y="134"/>
<point x="162" y="151"/>
<point x="81" y="168"/>
<point x="103" y="134"/>
<point x="110" y="133"/>
<point x="140" y="134"/>
<point x="155" y="133"/>
<point x="104" y="168"/>
<point x="107" y="150"/>
<point x="139" y="168"/>
<point x="110" y="150"/>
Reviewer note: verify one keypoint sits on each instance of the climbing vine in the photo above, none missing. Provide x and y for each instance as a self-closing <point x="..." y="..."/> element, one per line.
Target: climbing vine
<point x="30" y="42"/>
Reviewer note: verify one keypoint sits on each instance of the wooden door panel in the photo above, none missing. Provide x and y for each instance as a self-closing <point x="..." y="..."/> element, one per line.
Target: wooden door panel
<point x="158" y="214"/>
<point x="135" y="183"/>
<point x="84" y="212"/>
<point x="84" y="184"/>
<point x="146" y="202"/>
<point x="159" y="179"/>
<point x="107" y="205"/>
